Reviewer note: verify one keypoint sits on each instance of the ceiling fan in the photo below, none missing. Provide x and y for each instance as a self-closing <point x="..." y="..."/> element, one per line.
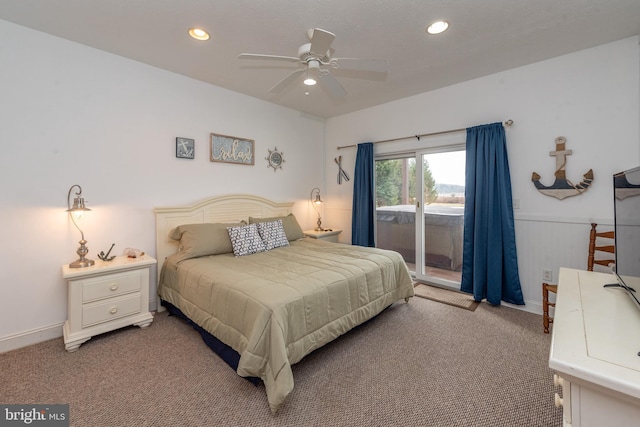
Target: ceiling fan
<point x="316" y="57"/>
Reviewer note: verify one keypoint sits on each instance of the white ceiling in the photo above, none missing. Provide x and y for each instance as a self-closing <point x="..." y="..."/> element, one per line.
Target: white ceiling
<point x="485" y="36"/>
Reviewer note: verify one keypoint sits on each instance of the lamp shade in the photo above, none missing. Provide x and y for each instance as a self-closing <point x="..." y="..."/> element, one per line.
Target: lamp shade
<point x="78" y="205"/>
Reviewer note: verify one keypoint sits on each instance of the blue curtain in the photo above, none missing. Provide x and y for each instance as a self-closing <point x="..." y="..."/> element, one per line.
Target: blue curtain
<point x="362" y="218"/>
<point x="490" y="262"/>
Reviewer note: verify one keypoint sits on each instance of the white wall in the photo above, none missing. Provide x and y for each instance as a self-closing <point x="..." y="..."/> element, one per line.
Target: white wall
<point x="71" y="114"/>
<point x="591" y="97"/>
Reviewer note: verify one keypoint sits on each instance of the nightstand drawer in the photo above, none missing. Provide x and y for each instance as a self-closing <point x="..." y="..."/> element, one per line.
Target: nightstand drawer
<point x="109" y="286"/>
<point x="109" y="310"/>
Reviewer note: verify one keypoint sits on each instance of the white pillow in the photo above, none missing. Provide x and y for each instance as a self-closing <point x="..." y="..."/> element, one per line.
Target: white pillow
<point x="246" y="240"/>
<point x="272" y="234"/>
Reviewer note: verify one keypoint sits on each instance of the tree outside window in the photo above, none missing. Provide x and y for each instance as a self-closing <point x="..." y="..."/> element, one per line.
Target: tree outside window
<point x="396" y="182"/>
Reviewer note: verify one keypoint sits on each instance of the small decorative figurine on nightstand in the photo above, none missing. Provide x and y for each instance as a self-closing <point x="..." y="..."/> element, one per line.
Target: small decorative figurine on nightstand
<point x="106" y="257"/>
<point x="132" y="253"/>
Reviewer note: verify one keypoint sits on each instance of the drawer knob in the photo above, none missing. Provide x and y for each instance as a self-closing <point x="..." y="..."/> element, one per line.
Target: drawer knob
<point x="558" y="401"/>
<point x="114" y="287"/>
<point x="557" y="380"/>
<point x="113" y="310"/>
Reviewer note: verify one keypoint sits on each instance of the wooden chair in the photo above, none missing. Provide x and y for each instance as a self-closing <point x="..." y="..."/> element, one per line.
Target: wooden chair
<point x="596" y="251"/>
<point x="594" y="248"/>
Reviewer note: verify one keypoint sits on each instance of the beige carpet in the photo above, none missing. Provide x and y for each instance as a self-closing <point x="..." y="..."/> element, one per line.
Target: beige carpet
<point x="445" y="296"/>
<point x="417" y="364"/>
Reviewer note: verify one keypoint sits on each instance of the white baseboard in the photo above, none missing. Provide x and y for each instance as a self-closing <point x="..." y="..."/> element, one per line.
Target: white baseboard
<point x="154" y="305"/>
<point x="46" y="333"/>
<point x="534" y="307"/>
<point x="34" y="336"/>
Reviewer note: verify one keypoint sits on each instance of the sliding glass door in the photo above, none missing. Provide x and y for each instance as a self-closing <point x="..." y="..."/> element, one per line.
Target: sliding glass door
<point x="420" y="212"/>
<point x="440" y="216"/>
<point x="395" y="206"/>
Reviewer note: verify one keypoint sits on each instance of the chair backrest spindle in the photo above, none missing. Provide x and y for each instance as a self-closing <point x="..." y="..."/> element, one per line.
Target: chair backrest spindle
<point x="594" y="239"/>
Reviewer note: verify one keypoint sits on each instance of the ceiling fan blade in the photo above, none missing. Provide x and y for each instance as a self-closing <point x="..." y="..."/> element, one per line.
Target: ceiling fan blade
<point x="321" y="41"/>
<point x="333" y="86"/>
<point x="269" y="57"/>
<point x="287" y="80"/>
<point x="376" y="65"/>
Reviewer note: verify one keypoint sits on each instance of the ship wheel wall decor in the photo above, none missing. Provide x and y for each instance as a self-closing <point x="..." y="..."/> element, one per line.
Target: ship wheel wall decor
<point x="275" y="159"/>
<point x="562" y="187"/>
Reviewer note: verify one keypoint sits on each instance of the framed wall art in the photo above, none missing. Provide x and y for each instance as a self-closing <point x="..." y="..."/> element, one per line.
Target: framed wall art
<point x="185" y="148"/>
<point x="231" y="149"/>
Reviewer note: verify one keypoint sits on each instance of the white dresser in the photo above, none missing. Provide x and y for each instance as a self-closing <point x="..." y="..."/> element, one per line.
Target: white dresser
<point x="106" y="296"/>
<point x="594" y="350"/>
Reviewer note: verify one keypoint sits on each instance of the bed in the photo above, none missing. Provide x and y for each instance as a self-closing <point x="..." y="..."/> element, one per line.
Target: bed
<point x="272" y="307"/>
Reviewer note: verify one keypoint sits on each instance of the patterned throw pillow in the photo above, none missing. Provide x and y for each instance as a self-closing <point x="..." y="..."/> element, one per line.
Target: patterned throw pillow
<point x="246" y="240"/>
<point x="289" y="222"/>
<point x="272" y="234"/>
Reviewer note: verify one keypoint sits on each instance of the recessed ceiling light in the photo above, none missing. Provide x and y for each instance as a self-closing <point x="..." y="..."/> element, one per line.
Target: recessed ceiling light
<point x="437" y="27"/>
<point x="198" y="34"/>
<point x="310" y="81"/>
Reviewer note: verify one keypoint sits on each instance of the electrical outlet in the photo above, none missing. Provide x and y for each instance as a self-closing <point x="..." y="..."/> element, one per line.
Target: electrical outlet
<point x="547" y="275"/>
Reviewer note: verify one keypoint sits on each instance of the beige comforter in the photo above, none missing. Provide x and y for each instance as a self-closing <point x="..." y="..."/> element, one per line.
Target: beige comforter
<point x="275" y="307"/>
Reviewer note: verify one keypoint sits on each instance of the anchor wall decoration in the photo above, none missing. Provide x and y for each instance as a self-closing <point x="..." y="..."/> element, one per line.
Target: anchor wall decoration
<point x="562" y="187"/>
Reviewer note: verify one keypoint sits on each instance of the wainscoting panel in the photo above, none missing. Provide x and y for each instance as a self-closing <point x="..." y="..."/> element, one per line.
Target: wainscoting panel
<point x="548" y="244"/>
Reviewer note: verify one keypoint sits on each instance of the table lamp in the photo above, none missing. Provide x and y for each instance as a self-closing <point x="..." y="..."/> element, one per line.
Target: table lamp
<point x="316" y="202"/>
<point x="75" y="212"/>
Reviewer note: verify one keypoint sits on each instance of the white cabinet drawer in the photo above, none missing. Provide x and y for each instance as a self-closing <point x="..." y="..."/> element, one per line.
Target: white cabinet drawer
<point x="108" y="310"/>
<point x="97" y="288"/>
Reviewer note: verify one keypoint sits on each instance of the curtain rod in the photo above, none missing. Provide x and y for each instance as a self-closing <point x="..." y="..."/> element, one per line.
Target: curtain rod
<point x="505" y="124"/>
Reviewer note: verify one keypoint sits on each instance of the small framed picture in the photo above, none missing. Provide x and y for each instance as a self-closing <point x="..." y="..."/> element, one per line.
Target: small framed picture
<point x="185" y="148"/>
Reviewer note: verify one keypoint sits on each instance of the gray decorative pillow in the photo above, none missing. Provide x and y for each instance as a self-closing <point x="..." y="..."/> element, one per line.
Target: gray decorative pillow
<point x="290" y="224"/>
<point x="272" y="234"/>
<point x="198" y="240"/>
<point x="246" y="240"/>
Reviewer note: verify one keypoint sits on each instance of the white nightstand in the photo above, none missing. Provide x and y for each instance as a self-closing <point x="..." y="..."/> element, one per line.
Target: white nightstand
<point x="326" y="235"/>
<point x="106" y="296"/>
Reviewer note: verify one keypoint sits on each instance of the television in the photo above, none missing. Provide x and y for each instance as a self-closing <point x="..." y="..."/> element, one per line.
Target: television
<point x="626" y="205"/>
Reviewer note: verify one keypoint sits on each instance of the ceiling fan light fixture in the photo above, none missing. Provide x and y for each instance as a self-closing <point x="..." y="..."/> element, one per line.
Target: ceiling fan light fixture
<point x="313" y="67"/>
<point x="198" y="34"/>
<point x="437" y="27"/>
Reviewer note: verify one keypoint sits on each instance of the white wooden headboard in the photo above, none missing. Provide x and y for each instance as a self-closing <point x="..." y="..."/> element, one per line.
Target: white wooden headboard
<point x="227" y="208"/>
